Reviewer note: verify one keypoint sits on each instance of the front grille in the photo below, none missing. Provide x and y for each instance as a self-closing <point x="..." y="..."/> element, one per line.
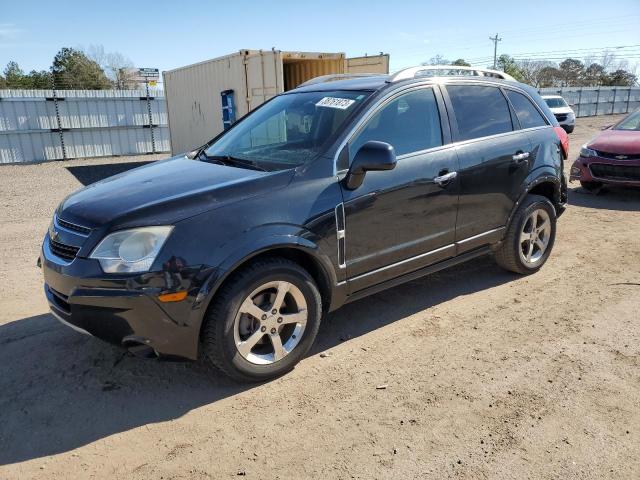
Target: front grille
<point x="561" y="117"/>
<point x="631" y="156"/>
<point x="63" y="251"/>
<point x="73" y="226"/>
<point x="615" y="172"/>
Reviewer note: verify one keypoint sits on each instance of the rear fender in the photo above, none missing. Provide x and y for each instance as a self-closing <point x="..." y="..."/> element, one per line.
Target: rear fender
<point x="543" y="175"/>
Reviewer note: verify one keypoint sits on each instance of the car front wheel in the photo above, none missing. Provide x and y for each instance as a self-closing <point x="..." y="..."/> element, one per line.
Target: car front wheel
<point x="263" y="321"/>
<point x="530" y="236"/>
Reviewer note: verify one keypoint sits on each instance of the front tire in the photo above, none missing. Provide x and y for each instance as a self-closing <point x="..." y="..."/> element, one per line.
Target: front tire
<point x="263" y="321"/>
<point x="569" y="129"/>
<point x="530" y="237"/>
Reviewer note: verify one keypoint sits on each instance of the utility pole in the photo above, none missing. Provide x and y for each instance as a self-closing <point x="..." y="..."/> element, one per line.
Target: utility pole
<point x="495" y="41"/>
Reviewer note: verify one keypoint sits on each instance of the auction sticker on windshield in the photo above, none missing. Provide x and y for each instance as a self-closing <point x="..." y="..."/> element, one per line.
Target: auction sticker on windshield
<point x="335" y="102"/>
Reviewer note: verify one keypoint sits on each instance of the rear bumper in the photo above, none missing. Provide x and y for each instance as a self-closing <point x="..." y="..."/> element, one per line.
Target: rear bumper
<point x="125" y="310"/>
<point x="606" y="170"/>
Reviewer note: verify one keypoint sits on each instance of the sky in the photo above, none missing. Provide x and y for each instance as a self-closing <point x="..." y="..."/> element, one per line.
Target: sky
<point x="169" y="34"/>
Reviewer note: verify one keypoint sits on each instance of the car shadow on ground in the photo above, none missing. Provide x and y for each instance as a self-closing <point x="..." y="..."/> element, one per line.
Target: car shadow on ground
<point x="62" y="390"/>
<point x="87" y="174"/>
<point x="608" y="198"/>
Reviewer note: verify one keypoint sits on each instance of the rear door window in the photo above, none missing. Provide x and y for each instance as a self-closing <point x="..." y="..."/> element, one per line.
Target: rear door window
<point x="528" y="115"/>
<point x="480" y="111"/>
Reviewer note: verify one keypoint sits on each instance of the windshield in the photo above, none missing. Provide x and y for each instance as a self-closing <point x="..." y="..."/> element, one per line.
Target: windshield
<point x="555" y="102"/>
<point x="288" y="131"/>
<point x="632" y="122"/>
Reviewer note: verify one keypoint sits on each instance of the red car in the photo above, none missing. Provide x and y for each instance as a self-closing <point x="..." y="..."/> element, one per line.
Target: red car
<point x="613" y="157"/>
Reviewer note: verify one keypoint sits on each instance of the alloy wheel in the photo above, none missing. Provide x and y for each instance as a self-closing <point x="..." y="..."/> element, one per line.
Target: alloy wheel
<point x="270" y="322"/>
<point x="535" y="236"/>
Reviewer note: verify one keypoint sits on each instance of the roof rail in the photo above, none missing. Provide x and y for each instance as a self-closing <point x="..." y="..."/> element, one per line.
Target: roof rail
<point x="337" y="76"/>
<point x="447" y="71"/>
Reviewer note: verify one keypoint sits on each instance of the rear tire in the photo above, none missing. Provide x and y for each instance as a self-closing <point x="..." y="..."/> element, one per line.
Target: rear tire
<point x="530" y="237"/>
<point x="263" y="321"/>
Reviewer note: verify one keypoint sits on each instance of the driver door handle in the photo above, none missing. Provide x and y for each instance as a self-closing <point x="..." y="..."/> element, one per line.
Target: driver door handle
<point x="519" y="157"/>
<point x="444" y="180"/>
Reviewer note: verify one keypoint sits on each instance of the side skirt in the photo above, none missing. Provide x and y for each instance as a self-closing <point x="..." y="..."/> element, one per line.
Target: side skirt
<point x="407" y="277"/>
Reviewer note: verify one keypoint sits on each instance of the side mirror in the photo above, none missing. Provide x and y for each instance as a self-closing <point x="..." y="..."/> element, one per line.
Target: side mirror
<point x="372" y="156"/>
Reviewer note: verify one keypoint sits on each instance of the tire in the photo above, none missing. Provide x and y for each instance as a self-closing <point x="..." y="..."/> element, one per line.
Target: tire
<point x="593" y="187"/>
<point x="569" y="129"/>
<point x="244" y="346"/>
<point x="518" y="254"/>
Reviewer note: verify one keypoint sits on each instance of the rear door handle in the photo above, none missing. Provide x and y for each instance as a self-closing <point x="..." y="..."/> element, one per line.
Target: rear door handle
<point x="444" y="180"/>
<point x="519" y="157"/>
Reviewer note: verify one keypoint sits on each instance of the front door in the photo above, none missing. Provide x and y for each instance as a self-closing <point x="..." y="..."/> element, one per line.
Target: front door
<point x="401" y="220"/>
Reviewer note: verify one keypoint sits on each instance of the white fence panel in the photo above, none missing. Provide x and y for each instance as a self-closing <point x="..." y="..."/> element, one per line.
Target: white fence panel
<point x="590" y="101"/>
<point x="40" y="125"/>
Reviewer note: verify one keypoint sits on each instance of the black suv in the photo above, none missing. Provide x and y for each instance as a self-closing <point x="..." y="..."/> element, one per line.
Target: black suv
<point x="323" y="195"/>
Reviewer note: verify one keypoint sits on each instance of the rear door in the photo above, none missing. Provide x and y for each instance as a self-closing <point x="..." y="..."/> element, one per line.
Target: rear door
<point x="494" y="161"/>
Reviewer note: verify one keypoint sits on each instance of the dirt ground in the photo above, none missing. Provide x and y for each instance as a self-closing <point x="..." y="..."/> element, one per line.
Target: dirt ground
<point x="487" y="374"/>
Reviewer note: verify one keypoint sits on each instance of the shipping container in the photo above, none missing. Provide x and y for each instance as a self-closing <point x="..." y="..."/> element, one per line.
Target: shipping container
<point x="204" y="98"/>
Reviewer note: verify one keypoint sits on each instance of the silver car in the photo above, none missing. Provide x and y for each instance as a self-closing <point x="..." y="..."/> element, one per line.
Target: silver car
<point x="563" y="112"/>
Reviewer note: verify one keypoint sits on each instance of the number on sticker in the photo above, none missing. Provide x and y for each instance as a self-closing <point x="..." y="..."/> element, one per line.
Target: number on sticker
<point x="335" y="102"/>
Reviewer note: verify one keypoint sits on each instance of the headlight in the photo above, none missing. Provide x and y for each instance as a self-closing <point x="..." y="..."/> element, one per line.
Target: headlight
<point x="587" y="152"/>
<point x="132" y="250"/>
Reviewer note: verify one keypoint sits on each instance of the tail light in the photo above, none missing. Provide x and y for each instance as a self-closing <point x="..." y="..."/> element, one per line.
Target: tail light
<point x="564" y="140"/>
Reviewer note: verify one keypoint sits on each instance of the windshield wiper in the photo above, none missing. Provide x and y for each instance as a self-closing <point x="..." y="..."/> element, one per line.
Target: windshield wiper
<point x="234" y="161"/>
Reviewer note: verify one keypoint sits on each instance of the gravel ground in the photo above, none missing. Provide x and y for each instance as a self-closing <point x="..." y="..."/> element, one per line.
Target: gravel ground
<point x="487" y="374"/>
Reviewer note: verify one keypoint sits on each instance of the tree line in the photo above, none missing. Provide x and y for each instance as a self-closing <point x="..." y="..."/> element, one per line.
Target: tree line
<point x="93" y="69"/>
<point x="606" y="71"/>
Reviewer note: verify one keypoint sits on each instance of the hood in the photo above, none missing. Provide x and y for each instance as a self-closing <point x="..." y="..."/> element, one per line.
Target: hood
<point x="561" y="110"/>
<point x="625" y="142"/>
<point x="165" y="192"/>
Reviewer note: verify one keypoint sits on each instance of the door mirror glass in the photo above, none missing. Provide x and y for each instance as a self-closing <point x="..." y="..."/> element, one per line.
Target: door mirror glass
<point x="372" y="156"/>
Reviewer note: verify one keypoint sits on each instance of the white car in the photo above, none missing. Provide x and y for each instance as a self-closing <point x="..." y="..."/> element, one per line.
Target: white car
<point x="563" y="112"/>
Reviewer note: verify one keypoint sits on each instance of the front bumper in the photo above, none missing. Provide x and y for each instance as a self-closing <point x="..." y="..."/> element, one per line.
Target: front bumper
<point x="125" y="310"/>
<point x="606" y="170"/>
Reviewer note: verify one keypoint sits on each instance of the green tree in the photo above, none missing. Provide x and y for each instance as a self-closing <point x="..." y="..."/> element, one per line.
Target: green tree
<point x="3" y="82"/>
<point x="595" y="75"/>
<point x="72" y="69"/>
<point x="509" y="66"/>
<point x="14" y="76"/>
<point x="41" y="80"/>
<point x="461" y="63"/>
<point x="548" y="77"/>
<point x="622" y="78"/>
<point x="572" y="72"/>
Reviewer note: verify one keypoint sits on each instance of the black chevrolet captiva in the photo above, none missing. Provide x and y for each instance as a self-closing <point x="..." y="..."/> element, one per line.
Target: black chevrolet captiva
<point x="327" y="193"/>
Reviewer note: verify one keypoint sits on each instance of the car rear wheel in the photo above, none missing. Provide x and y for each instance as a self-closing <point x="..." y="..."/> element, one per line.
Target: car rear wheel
<point x="591" y="186"/>
<point x="263" y="321"/>
<point x="530" y="237"/>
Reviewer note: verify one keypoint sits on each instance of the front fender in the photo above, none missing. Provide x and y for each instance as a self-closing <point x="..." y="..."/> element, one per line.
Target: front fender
<point x="256" y="243"/>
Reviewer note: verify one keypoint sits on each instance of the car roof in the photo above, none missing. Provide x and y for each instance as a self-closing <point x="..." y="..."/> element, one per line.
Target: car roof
<point x="378" y="82"/>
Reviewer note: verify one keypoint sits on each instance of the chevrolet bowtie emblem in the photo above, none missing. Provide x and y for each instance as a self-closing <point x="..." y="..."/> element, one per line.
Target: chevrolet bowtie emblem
<point x="621" y="157"/>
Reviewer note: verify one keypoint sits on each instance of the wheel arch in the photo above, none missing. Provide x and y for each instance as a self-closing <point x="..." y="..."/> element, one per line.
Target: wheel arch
<point x="546" y="185"/>
<point x="300" y="250"/>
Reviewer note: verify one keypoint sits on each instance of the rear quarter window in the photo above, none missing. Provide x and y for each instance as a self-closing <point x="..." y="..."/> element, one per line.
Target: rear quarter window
<point x="480" y="111"/>
<point x="528" y="115"/>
